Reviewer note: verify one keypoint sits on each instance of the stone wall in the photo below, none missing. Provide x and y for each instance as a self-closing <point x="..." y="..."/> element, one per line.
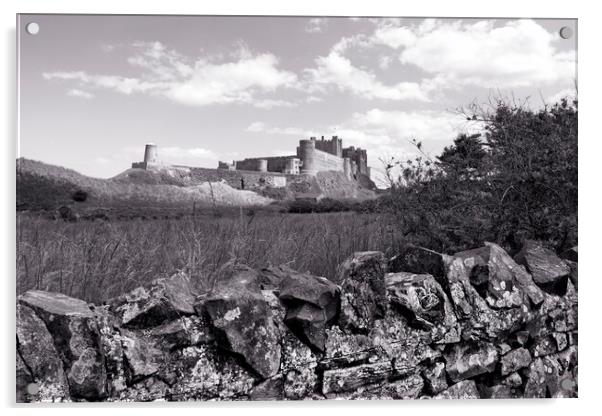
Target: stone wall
<point x="280" y="164"/>
<point x="477" y="324"/>
<point x="252" y="179"/>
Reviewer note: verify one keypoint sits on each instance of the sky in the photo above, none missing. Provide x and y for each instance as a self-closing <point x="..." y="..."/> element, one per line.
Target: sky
<point x="94" y="89"/>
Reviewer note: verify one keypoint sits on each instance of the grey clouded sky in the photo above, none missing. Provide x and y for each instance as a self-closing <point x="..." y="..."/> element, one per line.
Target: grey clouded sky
<point x="95" y="89"/>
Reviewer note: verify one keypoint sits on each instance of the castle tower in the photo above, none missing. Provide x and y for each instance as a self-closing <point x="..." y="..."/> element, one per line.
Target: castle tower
<point x="291" y="166"/>
<point x="262" y="165"/>
<point x="150" y="153"/>
<point x="347" y="167"/>
<point x="306" y="152"/>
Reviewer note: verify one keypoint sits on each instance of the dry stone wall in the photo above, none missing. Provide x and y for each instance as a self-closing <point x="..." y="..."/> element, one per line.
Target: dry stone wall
<point x="421" y="325"/>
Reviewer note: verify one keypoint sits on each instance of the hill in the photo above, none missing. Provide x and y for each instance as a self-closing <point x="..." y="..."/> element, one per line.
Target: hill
<point x="41" y="186"/>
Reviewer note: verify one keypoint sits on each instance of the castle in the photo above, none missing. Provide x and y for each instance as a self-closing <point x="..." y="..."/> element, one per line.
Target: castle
<point x="312" y="156"/>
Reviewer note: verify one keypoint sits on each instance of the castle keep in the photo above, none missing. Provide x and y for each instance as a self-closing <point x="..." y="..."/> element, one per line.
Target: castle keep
<point x="312" y="156"/>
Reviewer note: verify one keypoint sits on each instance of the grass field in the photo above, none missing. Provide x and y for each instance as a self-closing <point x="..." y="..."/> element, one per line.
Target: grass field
<point x="97" y="260"/>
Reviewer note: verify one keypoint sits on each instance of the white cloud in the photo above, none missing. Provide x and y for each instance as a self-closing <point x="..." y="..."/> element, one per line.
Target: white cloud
<point x="568" y="93"/>
<point x="386" y="133"/>
<point x="316" y="25"/>
<point x="74" y="92"/>
<point x="185" y="153"/>
<point x="517" y="54"/>
<point x="124" y="85"/>
<point x="337" y="70"/>
<point x="450" y="55"/>
<point x="424" y="125"/>
<point x="260" y="127"/>
<point x="202" y="82"/>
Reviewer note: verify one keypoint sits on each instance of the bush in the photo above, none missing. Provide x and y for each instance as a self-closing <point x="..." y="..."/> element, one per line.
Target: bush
<point x="516" y="180"/>
<point x="79" y="196"/>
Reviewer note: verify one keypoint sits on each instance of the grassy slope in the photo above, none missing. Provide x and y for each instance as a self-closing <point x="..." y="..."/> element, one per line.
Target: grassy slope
<point x="43" y="186"/>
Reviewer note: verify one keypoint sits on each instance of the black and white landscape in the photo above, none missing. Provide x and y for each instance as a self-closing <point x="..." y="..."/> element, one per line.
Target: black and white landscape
<point x="296" y="208"/>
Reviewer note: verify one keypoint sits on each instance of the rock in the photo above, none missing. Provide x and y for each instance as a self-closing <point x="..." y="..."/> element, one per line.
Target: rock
<point x="545" y="379"/>
<point x="515" y="360"/>
<point x="499" y="391"/>
<point x="513" y="380"/>
<point x="363" y="292"/>
<point x="270" y="278"/>
<point x="344" y="350"/>
<point x="561" y="340"/>
<point x="165" y="300"/>
<point x="242" y="319"/>
<point x="435" y="377"/>
<point x="204" y="373"/>
<point x="40" y="361"/>
<point x="184" y="332"/>
<point x="406" y="348"/>
<point x="544" y="345"/>
<point x="498" y="278"/>
<point x="311" y="303"/>
<point x="417" y="260"/>
<point x="143" y="356"/>
<point x="76" y="338"/>
<point x="466" y="389"/>
<point x="476" y="318"/>
<point x="548" y="270"/>
<point x="406" y="388"/>
<point x="570" y="254"/>
<point x="150" y="389"/>
<point x="422" y="300"/>
<point x="345" y="380"/>
<point x="270" y="389"/>
<point x="298" y="361"/>
<point x="112" y="349"/>
<point x="466" y="361"/>
<point x="23" y="380"/>
<point x="574" y="276"/>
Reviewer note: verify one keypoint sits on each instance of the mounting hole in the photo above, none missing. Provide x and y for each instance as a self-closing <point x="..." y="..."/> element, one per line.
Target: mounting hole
<point x="566" y="32"/>
<point x="32" y="28"/>
<point x="33" y="388"/>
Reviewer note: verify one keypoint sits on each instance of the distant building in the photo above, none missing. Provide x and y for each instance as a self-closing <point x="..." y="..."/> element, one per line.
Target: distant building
<point x="151" y="157"/>
<point x="312" y="156"/>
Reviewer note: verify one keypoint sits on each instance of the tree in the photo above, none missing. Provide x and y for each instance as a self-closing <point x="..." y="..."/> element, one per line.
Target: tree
<point x="515" y="180"/>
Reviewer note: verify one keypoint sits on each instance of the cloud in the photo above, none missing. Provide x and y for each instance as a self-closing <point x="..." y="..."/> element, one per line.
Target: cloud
<point x="385" y="133"/>
<point x="518" y="53"/>
<point x="74" y="92"/>
<point x="568" y="93"/>
<point x="200" y="82"/>
<point x="316" y="25"/>
<point x="337" y="70"/>
<point x="448" y="54"/>
<point x="124" y="85"/>
<point x="261" y="127"/>
<point x="175" y="153"/>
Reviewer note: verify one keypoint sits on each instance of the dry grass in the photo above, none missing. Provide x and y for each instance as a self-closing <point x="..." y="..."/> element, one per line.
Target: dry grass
<point x="97" y="260"/>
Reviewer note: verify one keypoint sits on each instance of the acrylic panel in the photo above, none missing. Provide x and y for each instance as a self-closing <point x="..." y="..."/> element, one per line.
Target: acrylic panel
<point x="295" y="208"/>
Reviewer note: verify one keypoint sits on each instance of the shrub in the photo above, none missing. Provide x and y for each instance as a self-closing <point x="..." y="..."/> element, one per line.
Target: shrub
<point x="79" y="196"/>
<point x="516" y="180"/>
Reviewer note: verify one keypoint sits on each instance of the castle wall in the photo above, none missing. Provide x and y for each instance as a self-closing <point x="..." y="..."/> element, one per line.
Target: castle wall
<point x="280" y="164"/>
<point x="360" y="157"/>
<point x="314" y="160"/>
<point x="333" y="146"/>
<point x="252" y="179"/>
